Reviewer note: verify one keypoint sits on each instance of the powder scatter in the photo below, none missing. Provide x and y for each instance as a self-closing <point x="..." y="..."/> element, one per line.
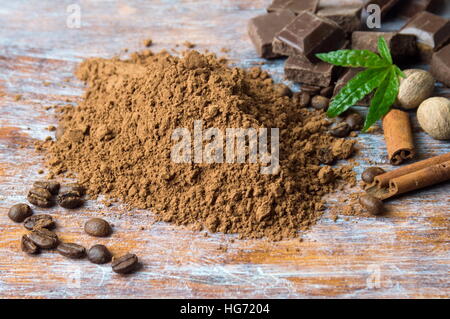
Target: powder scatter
<point x="117" y="142"/>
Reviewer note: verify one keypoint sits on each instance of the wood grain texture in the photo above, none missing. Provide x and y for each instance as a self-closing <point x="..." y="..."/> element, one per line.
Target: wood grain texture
<point x="404" y="254"/>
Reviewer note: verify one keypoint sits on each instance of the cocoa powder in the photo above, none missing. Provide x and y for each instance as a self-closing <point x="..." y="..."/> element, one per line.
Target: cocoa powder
<point x="117" y="142"/>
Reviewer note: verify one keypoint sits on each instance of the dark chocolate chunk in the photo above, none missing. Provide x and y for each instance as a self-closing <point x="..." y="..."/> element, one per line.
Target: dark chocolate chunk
<point x="263" y="28"/>
<point x="409" y="8"/>
<point x="300" y="70"/>
<point x="432" y="32"/>
<point x="295" y="6"/>
<point x="307" y="35"/>
<point x="385" y="5"/>
<point x="343" y="80"/>
<point x="440" y="65"/>
<point x="402" y="46"/>
<point x="348" y="17"/>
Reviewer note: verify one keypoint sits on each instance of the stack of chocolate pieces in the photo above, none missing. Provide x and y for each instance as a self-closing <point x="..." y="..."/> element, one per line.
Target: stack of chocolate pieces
<point x="299" y="29"/>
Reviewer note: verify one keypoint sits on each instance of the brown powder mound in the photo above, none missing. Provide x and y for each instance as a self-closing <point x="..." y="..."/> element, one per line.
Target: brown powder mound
<point x="118" y="143"/>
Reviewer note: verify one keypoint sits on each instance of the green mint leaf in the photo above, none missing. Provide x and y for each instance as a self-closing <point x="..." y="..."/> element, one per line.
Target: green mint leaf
<point x="383" y="99"/>
<point x="384" y="50"/>
<point x="356" y="89"/>
<point x="400" y="72"/>
<point x="354" y="59"/>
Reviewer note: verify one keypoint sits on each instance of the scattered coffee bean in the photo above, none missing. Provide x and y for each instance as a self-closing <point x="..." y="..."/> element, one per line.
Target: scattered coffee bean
<point x="355" y="121"/>
<point x="311" y="89"/>
<point x="320" y="102"/>
<point x="370" y="173"/>
<point x="97" y="227"/>
<point x="339" y="129"/>
<point x="44" y="238"/>
<point x="283" y="90"/>
<point x="73" y="188"/>
<point x="70" y="196"/>
<point x="372" y="204"/>
<point x="99" y="254"/>
<point x="40" y="197"/>
<point x="327" y="92"/>
<point x="52" y="187"/>
<point x="70" y="202"/>
<point x="302" y="98"/>
<point x="71" y="250"/>
<point x="39" y="221"/>
<point x="19" y="212"/>
<point x="125" y="264"/>
<point x="28" y="246"/>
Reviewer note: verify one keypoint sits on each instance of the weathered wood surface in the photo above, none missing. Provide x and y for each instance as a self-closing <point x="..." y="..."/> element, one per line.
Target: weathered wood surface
<point x="404" y="254"/>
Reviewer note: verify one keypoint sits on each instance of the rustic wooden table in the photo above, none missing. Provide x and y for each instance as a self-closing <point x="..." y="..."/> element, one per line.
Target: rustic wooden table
<point x="404" y="254"/>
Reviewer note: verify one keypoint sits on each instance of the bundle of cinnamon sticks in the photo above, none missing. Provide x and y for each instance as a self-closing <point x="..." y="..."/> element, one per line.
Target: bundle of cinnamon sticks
<point x="411" y="177"/>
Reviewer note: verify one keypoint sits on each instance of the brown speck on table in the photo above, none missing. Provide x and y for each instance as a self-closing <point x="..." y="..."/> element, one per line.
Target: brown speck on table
<point x="148" y="43"/>
<point x="189" y="45"/>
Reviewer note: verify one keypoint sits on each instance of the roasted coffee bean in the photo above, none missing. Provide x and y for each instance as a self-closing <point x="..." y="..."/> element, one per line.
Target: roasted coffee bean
<point x="71" y="250"/>
<point x="97" y="227"/>
<point x="311" y="89"/>
<point x="19" y="212"/>
<point x="52" y="187"/>
<point x="320" y="102"/>
<point x="283" y="90"/>
<point x="302" y="99"/>
<point x="40" y="197"/>
<point x="327" y="92"/>
<point x="99" y="254"/>
<point x="125" y="264"/>
<point x="355" y="121"/>
<point x="339" y="129"/>
<point x="73" y="189"/>
<point x="370" y="173"/>
<point x="372" y="204"/>
<point x="70" y="201"/>
<point x="39" y="221"/>
<point x="28" y="246"/>
<point x="70" y="196"/>
<point x="44" y="238"/>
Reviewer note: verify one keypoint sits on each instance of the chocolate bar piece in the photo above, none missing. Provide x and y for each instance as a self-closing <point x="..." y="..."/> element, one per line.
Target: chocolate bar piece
<point x="432" y="32"/>
<point x="343" y="80"/>
<point x="385" y="5"/>
<point x="295" y="6"/>
<point x="263" y="28"/>
<point x="299" y="69"/>
<point x="409" y="8"/>
<point x="307" y="35"/>
<point x="348" y="17"/>
<point x="402" y="46"/>
<point x="440" y="65"/>
<point x="337" y="3"/>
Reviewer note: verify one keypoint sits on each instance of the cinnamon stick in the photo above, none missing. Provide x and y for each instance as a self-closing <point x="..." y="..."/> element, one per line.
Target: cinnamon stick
<point x="412" y="177"/>
<point x="383" y="179"/>
<point x="425" y="177"/>
<point x="398" y="136"/>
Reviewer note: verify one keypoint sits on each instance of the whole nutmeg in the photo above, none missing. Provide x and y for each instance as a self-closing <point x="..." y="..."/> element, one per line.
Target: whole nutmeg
<point x="415" y="88"/>
<point x="434" y="117"/>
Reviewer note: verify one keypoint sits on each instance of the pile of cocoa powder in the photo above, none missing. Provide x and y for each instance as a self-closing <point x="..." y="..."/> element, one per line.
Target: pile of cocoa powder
<point x="117" y="142"/>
